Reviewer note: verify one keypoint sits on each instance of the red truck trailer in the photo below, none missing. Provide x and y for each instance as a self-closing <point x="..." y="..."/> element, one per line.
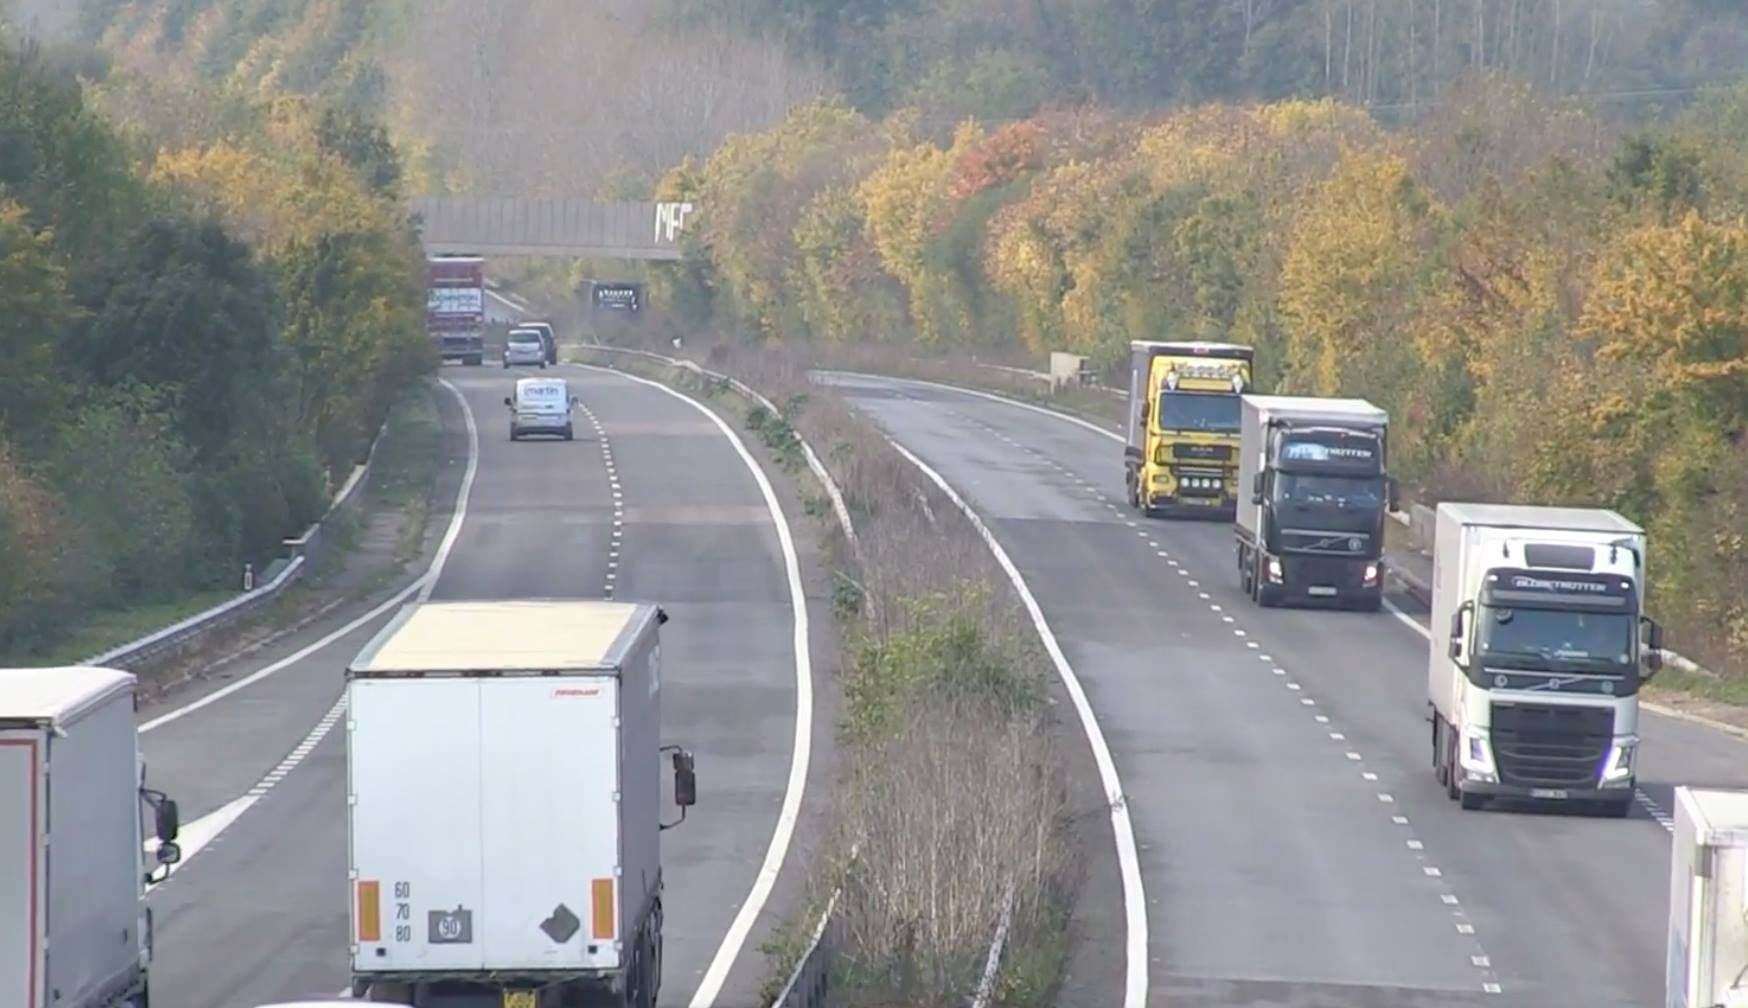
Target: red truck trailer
<point x="455" y="306"/>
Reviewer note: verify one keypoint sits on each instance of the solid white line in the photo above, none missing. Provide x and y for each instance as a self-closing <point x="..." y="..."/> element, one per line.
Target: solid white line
<point x="422" y="585"/>
<point x="992" y="397"/>
<point x="461" y="496"/>
<point x="748" y="915"/>
<point x="1134" y="898"/>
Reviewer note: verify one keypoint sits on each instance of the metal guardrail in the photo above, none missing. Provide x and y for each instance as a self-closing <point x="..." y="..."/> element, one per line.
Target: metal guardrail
<point x="306" y="552"/>
<point x="809" y="983"/>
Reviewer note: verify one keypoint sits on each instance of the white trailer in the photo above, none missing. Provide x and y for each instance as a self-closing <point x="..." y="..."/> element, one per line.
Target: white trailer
<point x="1313" y="497"/>
<point x="74" y="928"/>
<point x="1539" y="648"/>
<point x="1708" y="900"/>
<point x="505" y="804"/>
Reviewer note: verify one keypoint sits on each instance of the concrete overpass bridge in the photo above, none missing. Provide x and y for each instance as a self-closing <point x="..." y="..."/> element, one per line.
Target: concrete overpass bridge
<point x="512" y="226"/>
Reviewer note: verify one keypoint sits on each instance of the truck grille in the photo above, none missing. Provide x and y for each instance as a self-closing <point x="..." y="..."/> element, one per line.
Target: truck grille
<point x="1334" y="543"/>
<point x="1546" y="746"/>
<point x="1202" y="452"/>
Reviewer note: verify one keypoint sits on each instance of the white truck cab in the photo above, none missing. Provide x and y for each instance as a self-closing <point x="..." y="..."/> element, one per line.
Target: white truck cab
<point x="541" y="406"/>
<point x="1539" y="648"/>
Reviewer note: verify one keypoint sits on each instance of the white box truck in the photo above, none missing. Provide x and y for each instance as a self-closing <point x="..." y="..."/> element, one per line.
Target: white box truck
<point x="1315" y="496"/>
<point x="1539" y="646"/>
<point x="74" y="928"/>
<point x="505" y="805"/>
<point x="1708" y="900"/>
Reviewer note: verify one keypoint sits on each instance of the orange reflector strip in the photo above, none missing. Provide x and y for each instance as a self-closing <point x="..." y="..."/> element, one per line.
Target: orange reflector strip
<point x="602" y="892"/>
<point x="370" y="911"/>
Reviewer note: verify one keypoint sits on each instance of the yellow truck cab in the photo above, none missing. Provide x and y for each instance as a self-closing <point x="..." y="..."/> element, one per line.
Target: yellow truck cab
<point x="1181" y="455"/>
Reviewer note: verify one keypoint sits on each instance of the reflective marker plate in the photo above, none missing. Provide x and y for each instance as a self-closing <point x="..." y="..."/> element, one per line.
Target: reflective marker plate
<point x="1320" y="590"/>
<point x="518" y="999"/>
<point x="1540" y="792"/>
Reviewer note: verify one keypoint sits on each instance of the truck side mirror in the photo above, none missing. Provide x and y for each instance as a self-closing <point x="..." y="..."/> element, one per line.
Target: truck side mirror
<point x="169" y="821"/>
<point x="1653" y="648"/>
<point x="685" y="780"/>
<point x="685" y="783"/>
<point x="1257" y="488"/>
<point x="169" y="854"/>
<point x="1458" y="650"/>
<point x="507" y="401"/>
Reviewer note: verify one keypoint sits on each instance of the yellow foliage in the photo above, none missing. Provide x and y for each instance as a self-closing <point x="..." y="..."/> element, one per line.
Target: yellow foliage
<point x="1674" y="299"/>
<point x="1346" y="282"/>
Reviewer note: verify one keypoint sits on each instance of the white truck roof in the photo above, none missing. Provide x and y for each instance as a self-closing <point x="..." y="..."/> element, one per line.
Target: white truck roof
<point x="538" y="634"/>
<point x="1528" y="516"/>
<point x="1190" y="346"/>
<point x="56" y="695"/>
<point x="1719" y="818"/>
<point x="1314" y="408"/>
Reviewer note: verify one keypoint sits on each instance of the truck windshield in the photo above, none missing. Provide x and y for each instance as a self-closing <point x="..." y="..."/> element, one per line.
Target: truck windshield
<point x="1338" y="493"/>
<point x="1557" y="640"/>
<point x="1198" y="411"/>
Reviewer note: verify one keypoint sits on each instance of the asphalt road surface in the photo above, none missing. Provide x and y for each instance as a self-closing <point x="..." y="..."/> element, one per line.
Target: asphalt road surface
<point x="1294" y="848"/>
<point x="655" y="506"/>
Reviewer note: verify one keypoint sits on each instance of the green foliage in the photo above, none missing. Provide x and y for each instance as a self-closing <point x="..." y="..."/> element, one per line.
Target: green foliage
<point x="194" y="345"/>
<point x="944" y="651"/>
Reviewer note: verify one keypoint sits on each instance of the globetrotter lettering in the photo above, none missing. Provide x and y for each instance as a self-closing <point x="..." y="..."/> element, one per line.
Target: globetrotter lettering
<point x="1312" y="451"/>
<point x="1549" y="584"/>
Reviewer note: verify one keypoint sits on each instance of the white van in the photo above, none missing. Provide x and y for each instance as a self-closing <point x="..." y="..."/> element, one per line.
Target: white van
<point x="541" y="406"/>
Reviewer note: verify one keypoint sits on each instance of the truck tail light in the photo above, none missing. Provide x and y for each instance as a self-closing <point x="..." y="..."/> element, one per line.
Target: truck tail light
<point x="370" y="911"/>
<point x="601" y="900"/>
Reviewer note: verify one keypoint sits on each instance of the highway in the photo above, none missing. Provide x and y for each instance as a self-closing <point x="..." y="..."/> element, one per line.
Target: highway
<point x="1294" y="849"/>
<point x="651" y="502"/>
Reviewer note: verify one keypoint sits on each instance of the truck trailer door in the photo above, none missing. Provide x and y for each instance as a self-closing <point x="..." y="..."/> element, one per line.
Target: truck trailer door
<point x="550" y="809"/>
<point x="23" y="874"/>
<point x="414" y="763"/>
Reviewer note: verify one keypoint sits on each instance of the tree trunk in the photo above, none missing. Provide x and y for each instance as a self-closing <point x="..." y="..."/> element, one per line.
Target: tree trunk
<point x="1410" y="61"/>
<point x="1347" y="51"/>
<point x="1437" y="43"/>
<point x="1590" y="58"/>
<point x="1328" y="42"/>
<point x="1480" y="53"/>
<point x="1554" y="52"/>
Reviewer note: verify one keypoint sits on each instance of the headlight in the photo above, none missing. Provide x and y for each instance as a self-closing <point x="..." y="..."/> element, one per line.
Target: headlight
<point x="1371" y="573"/>
<point x="1476" y="756"/>
<point x="1275" y="569"/>
<point x="1617" y="770"/>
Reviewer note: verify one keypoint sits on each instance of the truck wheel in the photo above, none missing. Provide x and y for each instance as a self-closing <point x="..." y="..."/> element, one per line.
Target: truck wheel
<point x="1453" y="790"/>
<point x="569" y="433"/>
<point x="1246" y="575"/>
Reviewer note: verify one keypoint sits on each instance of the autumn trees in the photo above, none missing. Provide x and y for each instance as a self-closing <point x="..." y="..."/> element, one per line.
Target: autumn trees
<point x="1551" y="311"/>
<point x="200" y="341"/>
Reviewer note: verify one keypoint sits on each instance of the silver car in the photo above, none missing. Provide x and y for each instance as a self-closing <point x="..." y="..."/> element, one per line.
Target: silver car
<point x="524" y="346"/>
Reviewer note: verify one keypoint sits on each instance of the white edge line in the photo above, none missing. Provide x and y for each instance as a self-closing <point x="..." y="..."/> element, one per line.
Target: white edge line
<point x="742" y="925"/>
<point x="461" y="496"/>
<point x="1134" y="898"/>
<point x="422" y="585"/>
<point x="991" y="396"/>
